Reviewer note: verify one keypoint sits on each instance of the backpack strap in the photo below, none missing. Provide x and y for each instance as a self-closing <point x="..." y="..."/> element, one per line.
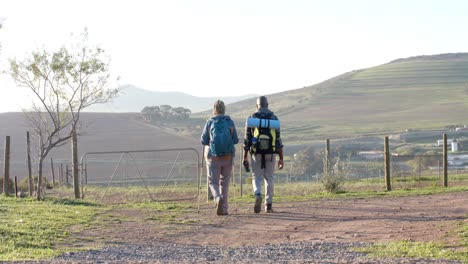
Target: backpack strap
<point x="262" y="165"/>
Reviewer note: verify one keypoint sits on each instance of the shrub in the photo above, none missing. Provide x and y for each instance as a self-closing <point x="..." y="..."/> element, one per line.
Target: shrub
<point x="10" y="185"/>
<point x="24" y="187"/>
<point x="333" y="181"/>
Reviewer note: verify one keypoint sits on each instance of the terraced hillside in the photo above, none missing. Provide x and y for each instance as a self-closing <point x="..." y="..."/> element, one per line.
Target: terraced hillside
<point x="424" y="92"/>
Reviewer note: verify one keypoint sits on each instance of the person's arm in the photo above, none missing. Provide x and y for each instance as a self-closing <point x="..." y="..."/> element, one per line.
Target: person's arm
<point x="247" y="141"/>
<point x="279" y="145"/>
<point x="235" y="138"/>
<point x="280" y="161"/>
<point x="205" y="136"/>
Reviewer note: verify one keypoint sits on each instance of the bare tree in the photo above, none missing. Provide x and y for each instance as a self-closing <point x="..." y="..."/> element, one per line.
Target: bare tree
<point x="63" y="83"/>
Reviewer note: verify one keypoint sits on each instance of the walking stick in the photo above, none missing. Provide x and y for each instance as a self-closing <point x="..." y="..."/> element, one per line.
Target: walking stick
<point x="200" y="178"/>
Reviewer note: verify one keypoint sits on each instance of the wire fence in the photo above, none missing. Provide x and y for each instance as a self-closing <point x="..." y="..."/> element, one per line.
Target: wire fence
<point x="177" y="174"/>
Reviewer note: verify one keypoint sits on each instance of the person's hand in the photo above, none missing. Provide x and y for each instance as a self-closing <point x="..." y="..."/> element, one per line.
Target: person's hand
<point x="280" y="164"/>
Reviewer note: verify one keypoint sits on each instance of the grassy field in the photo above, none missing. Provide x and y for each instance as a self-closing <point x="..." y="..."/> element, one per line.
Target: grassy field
<point x="33" y="229"/>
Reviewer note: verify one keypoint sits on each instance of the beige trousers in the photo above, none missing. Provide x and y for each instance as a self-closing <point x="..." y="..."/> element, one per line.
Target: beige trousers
<point x="265" y="174"/>
<point x="219" y="176"/>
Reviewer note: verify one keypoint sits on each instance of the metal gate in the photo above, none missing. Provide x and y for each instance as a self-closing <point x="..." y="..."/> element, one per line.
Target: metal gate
<point x="157" y="174"/>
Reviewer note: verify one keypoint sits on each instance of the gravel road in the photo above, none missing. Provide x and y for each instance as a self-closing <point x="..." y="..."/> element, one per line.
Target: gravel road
<point x="297" y="252"/>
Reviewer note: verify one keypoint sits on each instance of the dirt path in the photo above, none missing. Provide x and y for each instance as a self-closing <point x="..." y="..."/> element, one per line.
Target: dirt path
<point x="421" y="218"/>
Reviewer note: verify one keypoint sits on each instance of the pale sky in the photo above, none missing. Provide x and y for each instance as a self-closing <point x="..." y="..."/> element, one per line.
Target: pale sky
<point x="237" y="47"/>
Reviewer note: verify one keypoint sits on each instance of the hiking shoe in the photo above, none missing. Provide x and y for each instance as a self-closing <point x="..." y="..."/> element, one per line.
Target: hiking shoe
<point x="258" y="204"/>
<point x="268" y="208"/>
<point x="219" y="206"/>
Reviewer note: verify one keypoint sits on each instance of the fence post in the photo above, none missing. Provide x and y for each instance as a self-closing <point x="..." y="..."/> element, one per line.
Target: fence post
<point x="16" y="187"/>
<point x="66" y="174"/>
<point x="6" y="167"/>
<point x="445" y="164"/>
<point x="86" y="174"/>
<point x="30" y="179"/>
<point x="53" y="173"/>
<point x="76" y="178"/>
<point x="388" y="183"/>
<point x="327" y="157"/>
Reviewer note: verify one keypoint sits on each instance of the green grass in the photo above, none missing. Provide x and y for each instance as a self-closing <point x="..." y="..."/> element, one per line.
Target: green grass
<point x="31" y="229"/>
<point x="292" y="192"/>
<point x="408" y="249"/>
<point x="132" y="194"/>
<point x="160" y="206"/>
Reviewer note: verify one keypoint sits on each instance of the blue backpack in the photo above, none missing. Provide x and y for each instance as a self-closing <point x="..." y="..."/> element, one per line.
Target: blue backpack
<point x="221" y="138"/>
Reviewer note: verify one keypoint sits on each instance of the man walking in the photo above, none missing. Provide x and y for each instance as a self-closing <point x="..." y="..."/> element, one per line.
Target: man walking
<point x="263" y="142"/>
<point x="218" y="137"/>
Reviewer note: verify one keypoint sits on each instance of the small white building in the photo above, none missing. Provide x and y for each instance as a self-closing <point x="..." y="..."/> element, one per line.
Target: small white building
<point x="440" y="142"/>
<point x="372" y="155"/>
<point x="454" y="145"/>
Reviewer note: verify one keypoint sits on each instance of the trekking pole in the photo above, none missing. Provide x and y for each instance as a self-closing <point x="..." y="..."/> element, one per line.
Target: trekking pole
<point x="233" y="179"/>
<point x="200" y="178"/>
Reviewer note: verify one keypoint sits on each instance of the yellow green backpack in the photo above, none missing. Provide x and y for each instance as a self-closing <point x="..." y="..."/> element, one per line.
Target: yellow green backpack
<point x="264" y="138"/>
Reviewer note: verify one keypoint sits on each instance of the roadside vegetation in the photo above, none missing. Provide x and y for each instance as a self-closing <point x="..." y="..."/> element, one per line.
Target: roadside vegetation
<point x="31" y="229"/>
<point x="408" y="249"/>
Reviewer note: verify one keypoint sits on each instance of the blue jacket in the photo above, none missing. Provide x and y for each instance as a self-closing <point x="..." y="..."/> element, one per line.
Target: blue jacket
<point x="205" y="137"/>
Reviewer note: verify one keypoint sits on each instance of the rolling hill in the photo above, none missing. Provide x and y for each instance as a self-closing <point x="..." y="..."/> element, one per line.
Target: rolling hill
<point x="423" y="92"/>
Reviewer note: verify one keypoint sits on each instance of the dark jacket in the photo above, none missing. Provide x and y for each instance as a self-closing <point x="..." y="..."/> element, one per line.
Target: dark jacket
<point x="249" y="131"/>
<point x="205" y="137"/>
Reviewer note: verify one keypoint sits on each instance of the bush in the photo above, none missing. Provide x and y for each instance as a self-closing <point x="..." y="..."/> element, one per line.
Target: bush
<point x="10" y="185"/>
<point x="333" y="182"/>
<point x="24" y="187"/>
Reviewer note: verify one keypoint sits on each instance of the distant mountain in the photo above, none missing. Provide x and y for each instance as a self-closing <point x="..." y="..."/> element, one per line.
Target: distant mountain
<point x="133" y="99"/>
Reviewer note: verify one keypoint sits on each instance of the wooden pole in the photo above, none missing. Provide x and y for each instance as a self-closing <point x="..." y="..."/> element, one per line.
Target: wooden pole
<point x="241" y="161"/>
<point x="445" y="164"/>
<point x="61" y="174"/>
<point x="53" y="172"/>
<point x="86" y="173"/>
<point x="327" y="157"/>
<point x="388" y="183"/>
<point x="30" y="179"/>
<point x="16" y="187"/>
<point x="6" y="167"/>
<point x="66" y="174"/>
<point x="76" y="177"/>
